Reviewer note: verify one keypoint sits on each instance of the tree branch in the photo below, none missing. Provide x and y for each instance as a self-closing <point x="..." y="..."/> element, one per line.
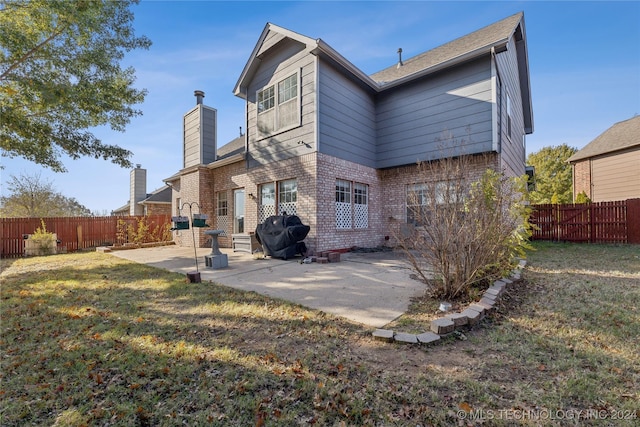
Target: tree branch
<point x="32" y="51"/>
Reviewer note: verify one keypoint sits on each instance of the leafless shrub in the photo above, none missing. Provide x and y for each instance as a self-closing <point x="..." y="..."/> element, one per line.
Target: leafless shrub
<point x="463" y="229"/>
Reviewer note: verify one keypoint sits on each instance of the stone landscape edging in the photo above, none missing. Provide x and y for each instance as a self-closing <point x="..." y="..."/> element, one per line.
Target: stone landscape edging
<point x="452" y="322"/>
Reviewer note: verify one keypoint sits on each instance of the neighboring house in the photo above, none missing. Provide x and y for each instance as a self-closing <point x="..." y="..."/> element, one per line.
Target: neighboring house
<point x="608" y="168"/>
<point x="339" y="148"/>
<point x="158" y="202"/>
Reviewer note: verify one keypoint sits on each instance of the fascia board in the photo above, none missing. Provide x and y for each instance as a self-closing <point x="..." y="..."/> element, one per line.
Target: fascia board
<point x="323" y="47"/>
<point x="251" y="63"/>
<point x="254" y="59"/>
<point x="226" y="161"/>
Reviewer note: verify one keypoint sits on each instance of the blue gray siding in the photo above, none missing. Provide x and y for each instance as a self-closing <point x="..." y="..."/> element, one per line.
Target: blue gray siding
<point x="284" y="59"/>
<point x="346" y="118"/>
<point x="512" y="147"/>
<point x="423" y="120"/>
<point x="458" y="111"/>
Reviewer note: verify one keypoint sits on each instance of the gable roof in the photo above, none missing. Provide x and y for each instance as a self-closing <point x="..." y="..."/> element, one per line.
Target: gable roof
<point x="620" y="136"/>
<point x="492" y="38"/>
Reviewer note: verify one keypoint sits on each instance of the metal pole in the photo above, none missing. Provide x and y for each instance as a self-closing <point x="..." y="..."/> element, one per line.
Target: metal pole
<point x="193" y="234"/>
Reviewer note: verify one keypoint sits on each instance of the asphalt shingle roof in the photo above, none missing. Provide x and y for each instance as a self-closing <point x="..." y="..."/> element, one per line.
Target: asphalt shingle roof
<point x="160" y="195"/>
<point x="485" y="37"/>
<point x="622" y="135"/>
<point x="232" y="147"/>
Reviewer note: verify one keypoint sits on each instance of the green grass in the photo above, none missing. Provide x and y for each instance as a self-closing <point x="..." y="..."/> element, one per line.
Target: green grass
<point x="90" y="339"/>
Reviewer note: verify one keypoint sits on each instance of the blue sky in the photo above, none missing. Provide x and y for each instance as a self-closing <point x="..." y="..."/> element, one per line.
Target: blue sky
<point x="584" y="60"/>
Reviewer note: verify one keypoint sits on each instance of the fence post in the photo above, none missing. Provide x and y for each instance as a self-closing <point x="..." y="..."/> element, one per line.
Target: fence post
<point x="592" y="225"/>
<point x="555" y="209"/>
<point x="633" y="220"/>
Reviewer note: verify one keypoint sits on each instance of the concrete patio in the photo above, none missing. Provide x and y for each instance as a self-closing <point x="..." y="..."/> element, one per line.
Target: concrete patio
<point x="369" y="288"/>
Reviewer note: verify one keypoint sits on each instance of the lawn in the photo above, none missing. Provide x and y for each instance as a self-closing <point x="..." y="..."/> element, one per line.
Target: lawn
<point x="90" y="339"/>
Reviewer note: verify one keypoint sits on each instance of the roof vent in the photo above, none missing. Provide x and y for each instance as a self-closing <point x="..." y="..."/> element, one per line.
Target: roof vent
<point x="199" y="95"/>
<point x="400" y="64"/>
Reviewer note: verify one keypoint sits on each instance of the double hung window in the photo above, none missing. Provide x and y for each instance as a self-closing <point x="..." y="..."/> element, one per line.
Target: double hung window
<point x="286" y="195"/>
<point x="279" y="106"/>
<point x="352" y="205"/>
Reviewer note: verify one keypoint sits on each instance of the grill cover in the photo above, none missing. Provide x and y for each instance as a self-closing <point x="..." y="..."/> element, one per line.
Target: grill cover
<point x="281" y="236"/>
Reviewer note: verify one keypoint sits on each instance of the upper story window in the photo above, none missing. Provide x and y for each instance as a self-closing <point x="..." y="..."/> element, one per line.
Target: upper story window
<point x="266" y="99"/>
<point x="288" y="89"/>
<point x="279" y="110"/>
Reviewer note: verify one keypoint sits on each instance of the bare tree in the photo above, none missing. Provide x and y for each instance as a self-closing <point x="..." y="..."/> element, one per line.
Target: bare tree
<point x="32" y="196"/>
<point x="466" y="223"/>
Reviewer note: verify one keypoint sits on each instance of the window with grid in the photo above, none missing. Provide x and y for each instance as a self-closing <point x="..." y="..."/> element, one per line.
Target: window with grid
<point x="267" y="205"/>
<point x="279" y="109"/>
<point x="223" y="220"/>
<point x="360" y="205"/>
<point x="223" y="204"/>
<point x="288" y="89"/>
<point x="438" y="195"/>
<point x="287" y="102"/>
<point x="288" y="197"/>
<point x="416" y="202"/>
<point x="343" y="204"/>
<point x="285" y="192"/>
<point x="266" y="99"/>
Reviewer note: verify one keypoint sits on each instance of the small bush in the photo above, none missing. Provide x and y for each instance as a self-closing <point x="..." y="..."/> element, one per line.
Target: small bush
<point x="142" y="231"/>
<point x="44" y="241"/>
<point x="582" y="197"/>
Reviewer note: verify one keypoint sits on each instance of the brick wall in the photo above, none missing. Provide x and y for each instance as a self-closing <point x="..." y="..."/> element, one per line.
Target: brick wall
<point x="303" y="169"/>
<point x="226" y="179"/>
<point x="582" y="178"/>
<point x="395" y="182"/>
<point x="328" y="236"/>
<point x="158" y="209"/>
<point x="195" y="192"/>
<point x="236" y="176"/>
<point x="316" y="175"/>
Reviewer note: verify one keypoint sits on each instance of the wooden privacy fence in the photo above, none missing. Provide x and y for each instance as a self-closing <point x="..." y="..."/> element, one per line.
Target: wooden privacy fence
<point x="73" y="233"/>
<point x="603" y="222"/>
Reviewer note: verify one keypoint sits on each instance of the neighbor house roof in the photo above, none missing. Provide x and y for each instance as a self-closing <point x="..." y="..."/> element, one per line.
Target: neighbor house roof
<point x="620" y="136"/>
<point x="124" y="208"/>
<point x="160" y="195"/>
